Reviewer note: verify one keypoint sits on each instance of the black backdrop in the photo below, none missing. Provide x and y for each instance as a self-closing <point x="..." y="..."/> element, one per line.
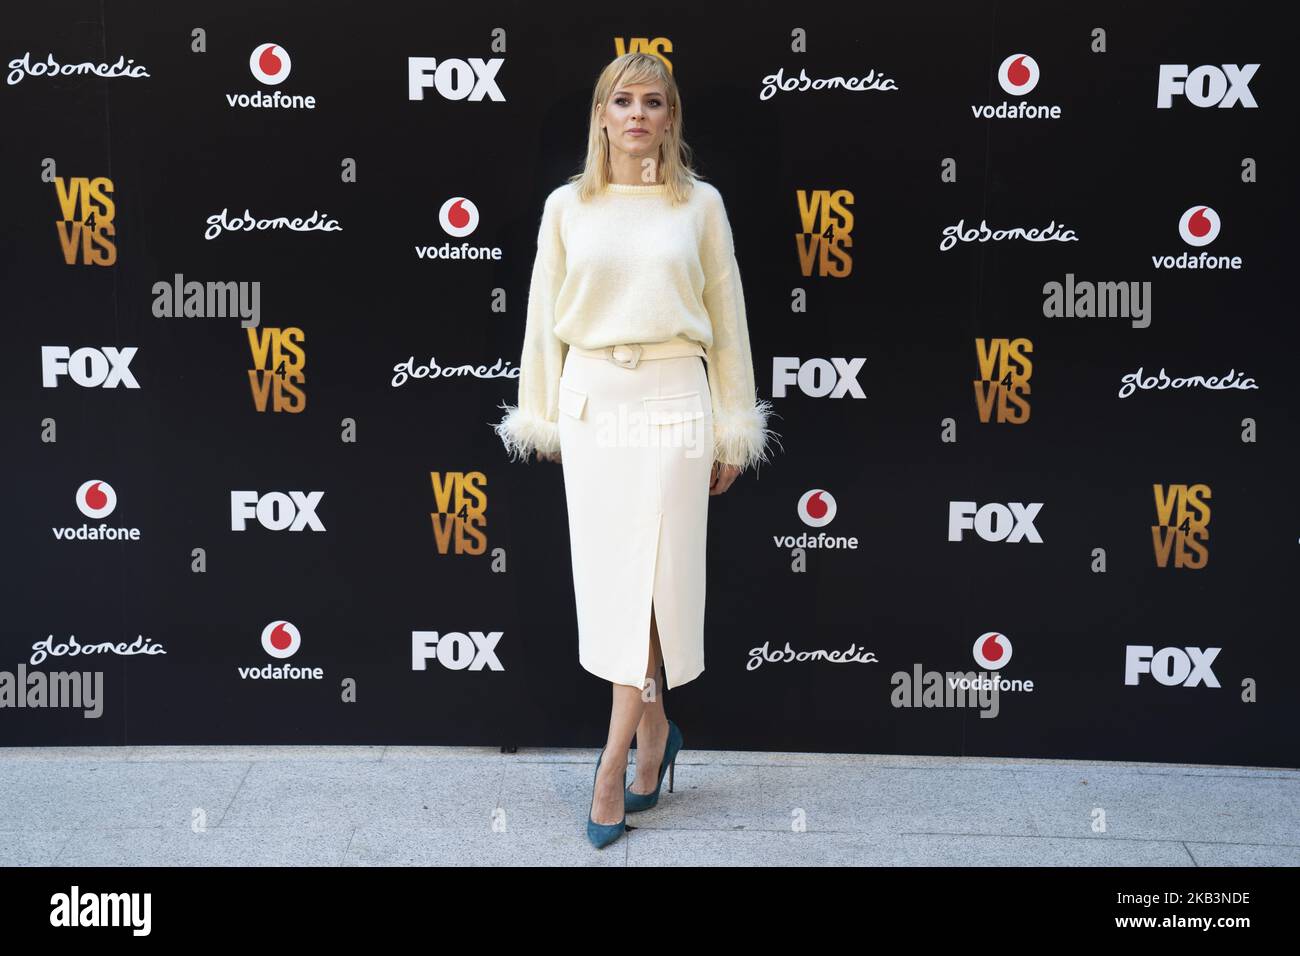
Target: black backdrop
<point x="1114" y="168"/>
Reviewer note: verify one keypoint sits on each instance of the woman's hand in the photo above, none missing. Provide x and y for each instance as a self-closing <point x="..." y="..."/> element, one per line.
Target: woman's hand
<point x="722" y="477"/>
<point x="548" y="456"/>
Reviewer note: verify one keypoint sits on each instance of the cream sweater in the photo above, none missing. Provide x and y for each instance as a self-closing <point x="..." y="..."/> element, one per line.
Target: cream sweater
<point x="627" y="267"/>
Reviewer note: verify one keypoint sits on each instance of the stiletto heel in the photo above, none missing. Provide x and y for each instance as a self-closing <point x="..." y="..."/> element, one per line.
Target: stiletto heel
<point x="603" y="834"/>
<point x="636" y="802"/>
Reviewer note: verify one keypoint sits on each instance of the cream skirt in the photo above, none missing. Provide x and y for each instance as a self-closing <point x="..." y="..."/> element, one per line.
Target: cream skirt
<point x="636" y="446"/>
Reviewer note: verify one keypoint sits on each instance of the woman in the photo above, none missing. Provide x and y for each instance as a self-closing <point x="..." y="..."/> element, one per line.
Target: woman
<point x="634" y="289"/>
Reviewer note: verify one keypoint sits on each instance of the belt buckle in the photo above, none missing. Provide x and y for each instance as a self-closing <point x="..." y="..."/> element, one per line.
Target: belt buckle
<point x="634" y="350"/>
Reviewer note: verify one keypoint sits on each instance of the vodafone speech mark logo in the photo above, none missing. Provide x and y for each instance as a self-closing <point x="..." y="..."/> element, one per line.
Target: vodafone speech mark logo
<point x="458" y="217"/>
<point x="281" y="639"/>
<point x="1199" y="226"/>
<point x="271" y="64"/>
<point x="96" y="499"/>
<point x="992" y="651"/>
<point x="817" y="508"/>
<point x="1018" y="74"/>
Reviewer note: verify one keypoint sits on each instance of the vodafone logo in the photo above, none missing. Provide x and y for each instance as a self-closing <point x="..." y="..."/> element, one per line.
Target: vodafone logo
<point x="458" y="217"/>
<point x="817" y="508"/>
<point x="96" y="499"/>
<point x="992" y="651"/>
<point x="271" y="64"/>
<point x="1199" y="226"/>
<point x="281" y="639"/>
<point x="1018" y="74"/>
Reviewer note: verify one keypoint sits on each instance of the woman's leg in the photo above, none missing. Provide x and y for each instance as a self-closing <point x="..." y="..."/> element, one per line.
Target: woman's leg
<point x="629" y="714"/>
<point x="652" y="732"/>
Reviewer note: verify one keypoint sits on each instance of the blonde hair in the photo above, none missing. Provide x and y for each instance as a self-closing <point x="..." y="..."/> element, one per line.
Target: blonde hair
<point x="673" y="164"/>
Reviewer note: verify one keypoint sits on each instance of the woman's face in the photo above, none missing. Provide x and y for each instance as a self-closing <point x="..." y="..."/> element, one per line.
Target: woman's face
<point x="636" y="120"/>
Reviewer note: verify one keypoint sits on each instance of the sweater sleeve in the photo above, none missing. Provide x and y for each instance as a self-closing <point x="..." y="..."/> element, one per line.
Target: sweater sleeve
<point x="739" y="416"/>
<point x="533" y="424"/>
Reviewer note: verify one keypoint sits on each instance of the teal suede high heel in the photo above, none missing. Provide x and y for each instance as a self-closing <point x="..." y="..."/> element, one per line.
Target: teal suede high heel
<point x="603" y="834"/>
<point x="636" y="802"/>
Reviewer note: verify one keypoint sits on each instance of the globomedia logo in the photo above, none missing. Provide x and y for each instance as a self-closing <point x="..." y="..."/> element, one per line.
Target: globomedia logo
<point x="271" y="65"/>
<point x="96" y="499"/>
<point x="458" y="217"/>
<point x="22" y="66"/>
<point x="1198" y="226"/>
<point x="1018" y="75"/>
<point x="281" y="639"/>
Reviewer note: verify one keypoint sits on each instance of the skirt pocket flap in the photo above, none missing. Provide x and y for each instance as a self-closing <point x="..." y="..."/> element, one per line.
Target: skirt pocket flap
<point x="674" y="409"/>
<point x="572" y="401"/>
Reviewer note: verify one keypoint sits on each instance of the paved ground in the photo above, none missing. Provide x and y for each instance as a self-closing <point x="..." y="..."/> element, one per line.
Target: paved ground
<point x="111" y="806"/>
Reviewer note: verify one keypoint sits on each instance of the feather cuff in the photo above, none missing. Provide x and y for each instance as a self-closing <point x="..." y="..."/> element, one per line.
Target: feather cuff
<point x="523" y="433"/>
